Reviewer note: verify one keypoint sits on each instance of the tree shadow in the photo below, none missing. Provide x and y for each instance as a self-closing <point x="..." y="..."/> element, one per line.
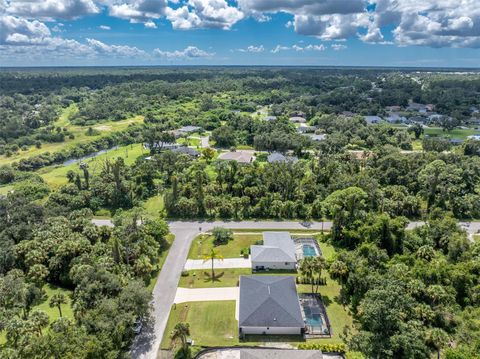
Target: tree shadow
<point x="326" y="300"/>
<point x="208" y="277"/>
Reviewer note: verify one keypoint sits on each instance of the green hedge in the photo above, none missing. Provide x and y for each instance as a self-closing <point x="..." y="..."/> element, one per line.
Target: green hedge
<point x="327" y="348"/>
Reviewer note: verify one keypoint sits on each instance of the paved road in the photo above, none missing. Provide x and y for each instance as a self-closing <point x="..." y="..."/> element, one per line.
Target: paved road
<point x="147" y="343"/>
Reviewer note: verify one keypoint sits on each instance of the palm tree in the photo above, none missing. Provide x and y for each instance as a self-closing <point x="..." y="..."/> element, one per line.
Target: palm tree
<point x="57" y="300"/>
<point x="319" y="264"/>
<point x="181" y="331"/>
<point x="306" y="268"/>
<point x="212" y="256"/>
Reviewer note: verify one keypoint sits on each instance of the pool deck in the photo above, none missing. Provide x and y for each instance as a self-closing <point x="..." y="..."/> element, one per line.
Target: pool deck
<point x="301" y="243"/>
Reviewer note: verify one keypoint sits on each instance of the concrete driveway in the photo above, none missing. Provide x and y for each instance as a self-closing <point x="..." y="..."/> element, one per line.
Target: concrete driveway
<point x="206" y="294"/>
<point x="192" y="264"/>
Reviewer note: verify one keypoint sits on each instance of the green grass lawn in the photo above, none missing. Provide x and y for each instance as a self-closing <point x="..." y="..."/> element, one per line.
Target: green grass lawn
<point x="5" y="189"/>
<point x="154" y="205"/>
<point x="211" y="323"/>
<point x="225" y="277"/>
<point x="203" y="244"/>
<point x="456" y="133"/>
<point x="79" y="132"/>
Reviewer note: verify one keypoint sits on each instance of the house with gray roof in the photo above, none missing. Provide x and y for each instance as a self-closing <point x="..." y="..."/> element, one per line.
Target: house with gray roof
<point x="277" y="157"/>
<point x="277" y="252"/>
<point x="316" y="137"/>
<point x="370" y="120"/>
<point x="187" y="150"/>
<point x="269" y="305"/>
<point x="297" y="119"/>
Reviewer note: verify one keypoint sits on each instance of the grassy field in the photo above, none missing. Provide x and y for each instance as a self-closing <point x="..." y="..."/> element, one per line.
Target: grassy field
<point x="456" y="133"/>
<point x="53" y="313"/>
<point x="211" y="323"/>
<point x="154" y="205"/>
<point x="203" y="244"/>
<point x="79" y="132"/>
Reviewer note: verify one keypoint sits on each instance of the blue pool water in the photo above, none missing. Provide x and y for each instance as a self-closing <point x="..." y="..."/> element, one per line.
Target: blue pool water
<point x="314" y="320"/>
<point x="309" y="251"/>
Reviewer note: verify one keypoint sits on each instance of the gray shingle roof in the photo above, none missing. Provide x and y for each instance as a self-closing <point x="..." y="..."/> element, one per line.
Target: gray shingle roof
<point x="279" y="354"/>
<point x="278" y="157"/>
<point x="269" y="301"/>
<point x="187" y="150"/>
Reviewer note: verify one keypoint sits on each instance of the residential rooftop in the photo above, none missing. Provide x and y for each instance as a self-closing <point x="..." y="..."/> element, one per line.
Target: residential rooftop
<point x="269" y="301"/>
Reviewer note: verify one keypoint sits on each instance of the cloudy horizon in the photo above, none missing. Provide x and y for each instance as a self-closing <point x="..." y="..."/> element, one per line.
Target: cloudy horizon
<point x="397" y="33"/>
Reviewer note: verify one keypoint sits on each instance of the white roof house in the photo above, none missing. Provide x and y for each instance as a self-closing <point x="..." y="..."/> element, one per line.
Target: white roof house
<point x="277" y="252"/>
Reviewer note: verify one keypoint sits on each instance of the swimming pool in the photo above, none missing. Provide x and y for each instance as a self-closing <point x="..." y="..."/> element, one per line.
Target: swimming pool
<point x="314" y="320"/>
<point x="309" y="251"/>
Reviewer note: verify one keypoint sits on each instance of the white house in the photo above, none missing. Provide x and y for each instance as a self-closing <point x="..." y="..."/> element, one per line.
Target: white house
<point x="269" y="305"/>
<point x="277" y="252"/>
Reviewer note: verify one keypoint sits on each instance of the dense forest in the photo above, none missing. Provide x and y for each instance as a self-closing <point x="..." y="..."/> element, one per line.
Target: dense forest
<point x="412" y="293"/>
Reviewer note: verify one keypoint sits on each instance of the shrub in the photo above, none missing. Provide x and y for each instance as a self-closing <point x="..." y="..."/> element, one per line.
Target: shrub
<point x="185" y="273"/>
<point x="221" y="235"/>
<point x="324" y="347"/>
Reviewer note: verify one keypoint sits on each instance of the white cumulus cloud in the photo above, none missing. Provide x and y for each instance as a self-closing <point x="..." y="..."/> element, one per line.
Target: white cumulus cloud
<point x="190" y="52"/>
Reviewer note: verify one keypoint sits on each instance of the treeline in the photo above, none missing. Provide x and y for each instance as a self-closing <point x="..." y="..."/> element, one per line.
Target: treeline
<point x="103" y="274"/>
<point x="412" y="293"/>
<point x="394" y="183"/>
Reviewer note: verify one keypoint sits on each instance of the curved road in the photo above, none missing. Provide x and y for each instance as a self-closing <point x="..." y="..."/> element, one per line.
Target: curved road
<point x="147" y="343"/>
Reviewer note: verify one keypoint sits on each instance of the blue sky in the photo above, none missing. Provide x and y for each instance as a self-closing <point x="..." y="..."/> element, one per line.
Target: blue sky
<point x="244" y="32"/>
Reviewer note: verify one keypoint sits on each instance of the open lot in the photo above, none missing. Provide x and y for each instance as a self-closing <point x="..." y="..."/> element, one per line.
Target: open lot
<point x="204" y="243"/>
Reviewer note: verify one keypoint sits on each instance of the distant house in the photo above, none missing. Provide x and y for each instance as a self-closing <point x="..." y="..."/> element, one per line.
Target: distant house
<point x="475" y="137"/>
<point x="162" y="146"/>
<point x="395" y="117"/>
<point x="283" y="354"/>
<point x="306" y="129"/>
<point x="270" y="118"/>
<point x="240" y="157"/>
<point x="277" y="157"/>
<point x="269" y="305"/>
<point x="361" y="155"/>
<point x="298" y="114"/>
<point x="185" y="130"/>
<point x="370" y="120"/>
<point x="456" y="141"/>
<point x="297" y="119"/>
<point x="347" y="114"/>
<point x="474" y="110"/>
<point x="419" y="107"/>
<point x="277" y="252"/>
<point x="317" y="137"/>
<point x="393" y="108"/>
<point x="187" y="150"/>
